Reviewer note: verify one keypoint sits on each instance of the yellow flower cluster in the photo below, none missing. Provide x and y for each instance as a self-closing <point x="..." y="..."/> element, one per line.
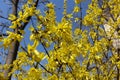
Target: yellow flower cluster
<point x="70" y="53"/>
<point x="10" y="38"/>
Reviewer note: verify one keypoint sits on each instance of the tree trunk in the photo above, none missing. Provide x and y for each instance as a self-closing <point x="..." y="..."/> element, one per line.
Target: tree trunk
<point x="12" y="54"/>
<point x="13" y="48"/>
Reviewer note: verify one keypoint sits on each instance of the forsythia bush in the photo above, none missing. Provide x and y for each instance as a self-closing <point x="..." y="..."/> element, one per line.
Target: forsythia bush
<point x="71" y="53"/>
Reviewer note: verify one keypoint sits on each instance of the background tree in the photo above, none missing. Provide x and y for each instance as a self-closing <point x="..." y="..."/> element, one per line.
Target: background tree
<point x="75" y="48"/>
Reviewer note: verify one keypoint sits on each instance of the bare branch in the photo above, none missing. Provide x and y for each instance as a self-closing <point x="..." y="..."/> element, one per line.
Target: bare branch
<point x="4" y="17"/>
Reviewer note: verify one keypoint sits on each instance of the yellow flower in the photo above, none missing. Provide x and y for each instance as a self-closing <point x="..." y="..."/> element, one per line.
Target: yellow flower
<point x="20" y="13"/>
<point x="30" y="1"/>
<point x="6" y="42"/>
<point x="31" y="28"/>
<point x="14" y="25"/>
<point x="12" y="17"/>
<point x="33" y="74"/>
<point x="76" y="9"/>
<point x="30" y="48"/>
<point x="18" y="37"/>
<point x="37" y="56"/>
<point x="22" y="31"/>
<point x="53" y="77"/>
<point x="77" y="31"/>
<point x="77" y="1"/>
<point x="118" y="64"/>
<point x="50" y="5"/>
<point x="21" y="54"/>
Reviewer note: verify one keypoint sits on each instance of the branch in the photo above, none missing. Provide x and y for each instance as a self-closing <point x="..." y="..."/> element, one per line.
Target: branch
<point x="4" y="25"/>
<point x="4" y="17"/>
<point x="3" y="34"/>
<point x="45" y="69"/>
<point x="45" y="50"/>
